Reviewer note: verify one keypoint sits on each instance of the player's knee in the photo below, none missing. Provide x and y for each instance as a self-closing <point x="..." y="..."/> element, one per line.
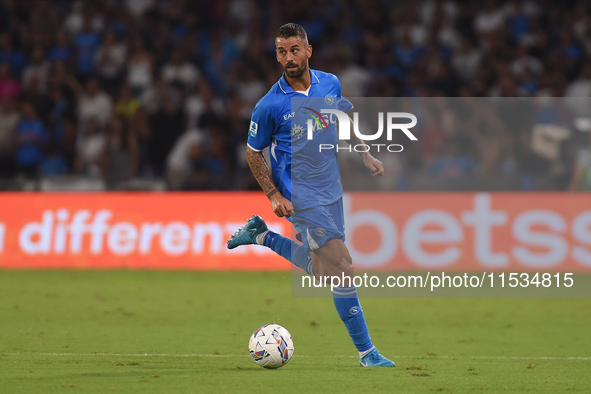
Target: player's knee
<point x="348" y="272"/>
<point x="344" y="262"/>
<point x="340" y="265"/>
<point x="320" y="272"/>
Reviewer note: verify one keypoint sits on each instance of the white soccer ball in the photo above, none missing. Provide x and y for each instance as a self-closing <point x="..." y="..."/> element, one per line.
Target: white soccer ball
<point x="271" y="346"/>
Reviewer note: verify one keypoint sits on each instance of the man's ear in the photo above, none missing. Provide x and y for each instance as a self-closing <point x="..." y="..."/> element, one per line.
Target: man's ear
<point x="309" y="51"/>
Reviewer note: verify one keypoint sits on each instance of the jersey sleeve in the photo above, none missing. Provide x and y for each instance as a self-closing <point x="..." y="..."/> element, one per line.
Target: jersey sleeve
<point x="342" y="103"/>
<point x="261" y="128"/>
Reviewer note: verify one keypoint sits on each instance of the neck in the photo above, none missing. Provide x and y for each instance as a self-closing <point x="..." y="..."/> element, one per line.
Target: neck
<point x="301" y="83"/>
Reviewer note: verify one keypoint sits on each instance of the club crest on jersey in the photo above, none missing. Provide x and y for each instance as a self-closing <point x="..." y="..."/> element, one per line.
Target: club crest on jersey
<point x="328" y="99"/>
<point x="253" y="128"/>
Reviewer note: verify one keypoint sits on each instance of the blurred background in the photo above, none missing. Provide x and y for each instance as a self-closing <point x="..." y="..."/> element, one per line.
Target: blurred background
<point x="157" y="94"/>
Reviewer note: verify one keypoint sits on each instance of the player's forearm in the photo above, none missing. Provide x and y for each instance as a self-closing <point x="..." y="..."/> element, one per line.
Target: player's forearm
<point x="260" y="170"/>
<point x="356" y="140"/>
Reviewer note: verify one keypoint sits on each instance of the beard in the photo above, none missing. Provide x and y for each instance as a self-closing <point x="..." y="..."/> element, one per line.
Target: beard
<point x="296" y="73"/>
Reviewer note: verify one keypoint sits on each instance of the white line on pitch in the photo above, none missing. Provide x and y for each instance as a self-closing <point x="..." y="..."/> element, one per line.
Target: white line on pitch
<point x="246" y="355"/>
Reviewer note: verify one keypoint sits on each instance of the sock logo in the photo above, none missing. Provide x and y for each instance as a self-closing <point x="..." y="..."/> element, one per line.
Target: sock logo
<point x="354" y="310"/>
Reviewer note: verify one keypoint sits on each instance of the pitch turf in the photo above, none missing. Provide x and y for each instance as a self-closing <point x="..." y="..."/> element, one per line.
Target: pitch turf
<point x="187" y="332"/>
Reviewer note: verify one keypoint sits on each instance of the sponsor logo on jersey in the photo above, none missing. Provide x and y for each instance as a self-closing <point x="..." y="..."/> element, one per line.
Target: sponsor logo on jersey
<point x="297" y="131"/>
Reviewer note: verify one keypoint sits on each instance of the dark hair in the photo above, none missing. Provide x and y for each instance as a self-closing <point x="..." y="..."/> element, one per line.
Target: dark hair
<point x="292" y="30"/>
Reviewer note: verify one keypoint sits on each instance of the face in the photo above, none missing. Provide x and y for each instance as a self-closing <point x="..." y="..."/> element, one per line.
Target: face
<point x="293" y="55"/>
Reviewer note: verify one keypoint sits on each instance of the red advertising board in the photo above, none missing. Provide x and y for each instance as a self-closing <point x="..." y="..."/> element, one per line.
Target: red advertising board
<point x="385" y="231"/>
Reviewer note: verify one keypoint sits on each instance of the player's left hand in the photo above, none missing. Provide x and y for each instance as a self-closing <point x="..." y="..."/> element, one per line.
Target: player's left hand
<point x="374" y="165"/>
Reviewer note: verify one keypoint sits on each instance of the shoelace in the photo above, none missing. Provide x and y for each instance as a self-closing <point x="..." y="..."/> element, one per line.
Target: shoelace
<point x="373" y="356"/>
<point x="240" y="229"/>
<point x="369" y="358"/>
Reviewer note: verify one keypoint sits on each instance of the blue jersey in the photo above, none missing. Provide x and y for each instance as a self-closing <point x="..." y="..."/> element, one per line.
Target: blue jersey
<point x="301" y="171"/>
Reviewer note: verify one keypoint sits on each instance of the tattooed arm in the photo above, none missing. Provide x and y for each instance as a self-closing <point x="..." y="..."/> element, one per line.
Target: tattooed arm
<point x="258" y="165"/>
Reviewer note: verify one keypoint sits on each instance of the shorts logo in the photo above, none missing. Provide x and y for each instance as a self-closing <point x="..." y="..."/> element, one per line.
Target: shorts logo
<point x="253" y="128"/>
<point x="320" y="232"/>
<point x="328" y="99"/>
<point x="354" y="310"/>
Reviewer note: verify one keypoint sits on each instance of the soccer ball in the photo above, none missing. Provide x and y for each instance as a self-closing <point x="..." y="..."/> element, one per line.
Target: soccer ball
<point x="271" y="346"/>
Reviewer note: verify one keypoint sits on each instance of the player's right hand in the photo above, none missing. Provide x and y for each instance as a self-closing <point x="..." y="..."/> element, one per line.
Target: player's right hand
<point x="281" y="205"/>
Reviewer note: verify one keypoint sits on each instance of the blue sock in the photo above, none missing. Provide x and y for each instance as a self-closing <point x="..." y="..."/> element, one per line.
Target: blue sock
<point x="290" y="250"/>
<point x="349" y="309"/>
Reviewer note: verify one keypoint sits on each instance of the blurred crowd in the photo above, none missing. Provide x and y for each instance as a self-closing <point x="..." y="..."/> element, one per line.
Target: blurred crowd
<point x="126" y="89"/>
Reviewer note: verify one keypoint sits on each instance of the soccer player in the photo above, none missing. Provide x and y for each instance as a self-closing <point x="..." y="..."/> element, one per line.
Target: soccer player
<point x="317" y="210"/>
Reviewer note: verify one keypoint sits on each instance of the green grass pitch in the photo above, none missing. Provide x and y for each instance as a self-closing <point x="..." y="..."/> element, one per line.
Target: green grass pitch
<point x="187" y="332"/>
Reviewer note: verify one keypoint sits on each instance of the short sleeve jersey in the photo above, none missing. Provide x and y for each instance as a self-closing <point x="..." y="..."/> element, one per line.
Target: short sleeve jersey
<point x="306" y="181"/>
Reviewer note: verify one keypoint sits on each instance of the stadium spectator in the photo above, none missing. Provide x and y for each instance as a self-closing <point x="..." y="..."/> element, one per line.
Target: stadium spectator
<point x="202" y="100"/>
<point x="140" y="68"/>
<point x="166" y="124"/>
<point x="139" y="7"/>
<point x="93" y="103"/>
<point x="127" y="105"/>
<point x="489" y="18"/>
<point x="405" y="51"/>
<point x="15" y="58"/>
<point x="87" y="42"/>
<point x="109" y="61"/>
<point x="180" y="70"/>
<point x="10" y="88"/>
<point x="212" y="168"/>
<point x="140" y="129"/>
<point x="452" y="162"/>
<point x="54" y="162"/>
<point x="187" y="150"/>
<point x="250" y="87"/>
<point x="354" y="78"/>
<point x="217" y="53"/>
<point x="62" y="50"/>
<point x="31" y="138"/>
<point x="579" y="92"/>
<point x="432" y="137"/>
<point x="36" y="73"/>
<point x="183" y="59"/>
<point x="59" y="106"/>
<point x="9" y="120"/>
<point x="91" y="150"/>
<point x="466" y="59"/>
<point x="123" y="151"/>
<point x="154" y="97"/>
<point x="581" y="175"/>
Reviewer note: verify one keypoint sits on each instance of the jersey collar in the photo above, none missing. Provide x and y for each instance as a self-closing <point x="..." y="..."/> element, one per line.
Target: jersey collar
<point x="285" y="88"/>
